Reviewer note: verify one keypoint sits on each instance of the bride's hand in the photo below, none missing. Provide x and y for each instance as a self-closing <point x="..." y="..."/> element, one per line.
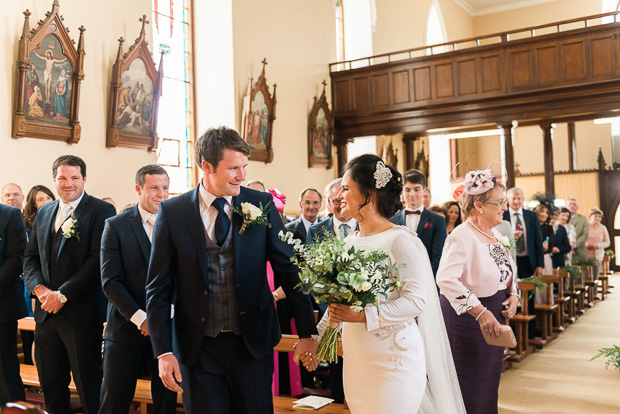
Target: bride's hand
<point x="344" y="313"/>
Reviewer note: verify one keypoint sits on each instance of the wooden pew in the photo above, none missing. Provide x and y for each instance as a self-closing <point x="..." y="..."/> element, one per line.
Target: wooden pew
<point x="546" y="311"/>
<point x="520" y="324"/>
<point x="563" y="314"/>
<point x="604" y="277"/>
<point x="576" y="290"/>
<point x="590" y="285"/>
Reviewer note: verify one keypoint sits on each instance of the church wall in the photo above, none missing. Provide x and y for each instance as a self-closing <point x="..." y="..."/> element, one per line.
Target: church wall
<point x="298" y="40"/>
<point x="28" y="161"/>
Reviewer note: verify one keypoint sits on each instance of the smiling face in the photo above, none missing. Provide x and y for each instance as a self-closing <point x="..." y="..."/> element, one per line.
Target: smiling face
<point x="492" y="214"/>
<point x="41" y="199"/>
<point x="453" y="214"/>
<point x="595" y="219"/>
<point x="351" y="198"/>
<point x="563" y="218"/>
<point x="543" y="215"/>
<point x="515" y="201"/>
<point x="154" y="191"/>
<point x="69" y="182"/>
<point x="310" y="204"/>
<point x="226" y="179"/>
<point x="413" y="195"/>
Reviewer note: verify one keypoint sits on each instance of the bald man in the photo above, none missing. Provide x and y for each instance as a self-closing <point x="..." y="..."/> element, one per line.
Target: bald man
<point x="12" y="196"/>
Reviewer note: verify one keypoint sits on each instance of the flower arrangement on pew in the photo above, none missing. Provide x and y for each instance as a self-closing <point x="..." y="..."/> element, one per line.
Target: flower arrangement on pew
<point x="335" y="273"/>
<point x="610" y="253"/>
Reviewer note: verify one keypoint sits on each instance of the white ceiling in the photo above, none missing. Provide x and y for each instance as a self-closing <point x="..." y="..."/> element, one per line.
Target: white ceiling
<point x="481" y="7"/>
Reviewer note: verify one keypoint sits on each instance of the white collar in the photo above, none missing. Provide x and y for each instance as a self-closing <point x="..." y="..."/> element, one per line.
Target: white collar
<point x="73" y="203"/>
<point x="208" y="198"/>
<point x="307" y="223"/>
<point x="420" y="209"/>
<point x="145" y="215"/>
<point x="519" y="211"/>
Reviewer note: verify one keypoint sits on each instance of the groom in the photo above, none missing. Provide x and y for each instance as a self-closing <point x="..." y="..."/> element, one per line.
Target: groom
<point x="225" y="325"/>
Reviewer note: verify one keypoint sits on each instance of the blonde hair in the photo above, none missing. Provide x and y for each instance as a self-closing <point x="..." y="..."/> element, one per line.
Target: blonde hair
<point x="596" y="210"/>
<point x="468" y="201"/>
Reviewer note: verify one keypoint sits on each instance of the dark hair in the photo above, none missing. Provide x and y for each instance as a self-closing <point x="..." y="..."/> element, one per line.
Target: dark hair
<point x="210" y="146"/>
<point x="305" y="190"/>
<point x="387" y="198"/>
<point x="30" y="210"/>
<point x="414" y="177"/>
<point x="565" y="210"/>
<point x="539" y="207"/>
<point x="71" y="161"/>
<point x="150" y="169"/>
<point x="447" y="206"/>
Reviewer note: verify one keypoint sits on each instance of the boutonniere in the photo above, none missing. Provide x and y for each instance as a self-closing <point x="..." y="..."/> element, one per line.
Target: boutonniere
<point x="428" y="225"/>
<point x="508" y="243"/>
<point x="70" y="228"/>
<point x="252" y="215"/>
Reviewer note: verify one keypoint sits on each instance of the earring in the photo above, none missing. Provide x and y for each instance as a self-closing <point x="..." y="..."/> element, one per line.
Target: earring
<point x="480" y="211"/>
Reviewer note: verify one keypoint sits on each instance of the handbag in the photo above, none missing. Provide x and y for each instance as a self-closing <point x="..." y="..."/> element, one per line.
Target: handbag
<point x="506" y="338"/>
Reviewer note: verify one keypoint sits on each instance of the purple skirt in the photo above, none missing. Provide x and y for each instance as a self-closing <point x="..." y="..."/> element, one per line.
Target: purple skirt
<point x="478" y="365"/>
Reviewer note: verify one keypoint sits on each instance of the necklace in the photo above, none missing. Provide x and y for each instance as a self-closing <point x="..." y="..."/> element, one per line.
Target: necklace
<point x="480" y="231"/>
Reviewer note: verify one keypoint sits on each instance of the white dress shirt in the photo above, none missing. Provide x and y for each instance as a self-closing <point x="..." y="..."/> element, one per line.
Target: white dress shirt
<point x="73" y="205"/>
<point x="352" y="224"/>
<point x="513" y="222"/>
<point x="412" y="220"/>
<point x="307" y="223"/>
<point x="209" y="212"/>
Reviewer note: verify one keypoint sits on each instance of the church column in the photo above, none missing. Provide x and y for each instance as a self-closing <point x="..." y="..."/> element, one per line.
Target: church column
<point x="572" y="147"/>
<point x="547" y="128"/>
<point x="509" y="153"/>
<point x="341" y="156"/>
<point x="408" y="141"/>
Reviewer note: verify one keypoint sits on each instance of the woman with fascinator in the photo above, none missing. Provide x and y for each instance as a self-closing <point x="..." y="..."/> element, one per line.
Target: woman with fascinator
<point x="477" y="280"/>
<point x="396" y="353"/>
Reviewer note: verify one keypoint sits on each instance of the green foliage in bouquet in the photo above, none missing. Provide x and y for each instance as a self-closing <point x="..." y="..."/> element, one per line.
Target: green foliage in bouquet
<point x="613" y="355"/>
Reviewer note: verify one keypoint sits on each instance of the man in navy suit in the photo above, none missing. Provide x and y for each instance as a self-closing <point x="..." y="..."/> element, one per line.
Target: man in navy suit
<point x="430" y="226"/>
<point x="527" y="233"/>
<point x="310" y="203"/>
<point x="12" y="305"/>
<point x="61" y="268"/>
<point x="214" y="272"/>
<point x="125" y="253"/>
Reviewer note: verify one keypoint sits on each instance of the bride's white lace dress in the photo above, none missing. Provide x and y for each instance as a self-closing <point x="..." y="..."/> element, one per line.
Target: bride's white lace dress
<point x="385" y="364"/>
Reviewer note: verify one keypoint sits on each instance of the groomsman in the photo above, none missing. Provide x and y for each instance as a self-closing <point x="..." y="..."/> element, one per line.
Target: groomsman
<point x="582" y="229"/>
<point x="12" y="305"/>
<point x="125" y="253"/>
<point x="430" y="226"/>
<point x="61" y="270"/>
<point x="310" y="203"/>
<point x="215" y="273"/>
<point x="12" y="196"/>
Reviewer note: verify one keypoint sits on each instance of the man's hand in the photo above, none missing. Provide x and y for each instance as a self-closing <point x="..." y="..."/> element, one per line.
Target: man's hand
<point x="308" y="361"/>
<point x="305" y="346"/>
<point x="144" y="329"/>
<point x="517" y="234"/>
<point x="555" y="250"/>
<point x="170" y="373"/>
<point x="49" y="301"/>
<point x="538" y="271"/>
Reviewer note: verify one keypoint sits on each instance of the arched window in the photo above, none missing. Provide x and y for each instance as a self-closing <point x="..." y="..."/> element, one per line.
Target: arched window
<point x="435" y="29"/>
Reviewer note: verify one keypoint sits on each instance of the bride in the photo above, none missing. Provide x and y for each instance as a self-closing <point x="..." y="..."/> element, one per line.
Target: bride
<point x="396" y="357"/>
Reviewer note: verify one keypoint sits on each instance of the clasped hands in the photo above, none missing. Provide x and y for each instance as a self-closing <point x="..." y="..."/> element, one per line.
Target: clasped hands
<point x="49" y="299"/>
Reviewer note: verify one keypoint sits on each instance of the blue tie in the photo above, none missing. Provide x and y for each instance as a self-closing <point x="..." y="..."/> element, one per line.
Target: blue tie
<point x="345" y="230"/>
<point x="222" y="222"/>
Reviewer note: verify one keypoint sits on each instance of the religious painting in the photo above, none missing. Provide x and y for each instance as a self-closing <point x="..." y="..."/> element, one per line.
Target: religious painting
<point x="320" y="133"/>
<point x="134" y="96"/>
<point x="50" y="71"/>
<point x="257" y="120"/>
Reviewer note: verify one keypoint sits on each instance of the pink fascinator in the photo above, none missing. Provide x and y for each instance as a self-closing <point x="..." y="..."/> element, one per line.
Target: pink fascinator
<point x="479" y="181"/>
<point x="279" y="199"/>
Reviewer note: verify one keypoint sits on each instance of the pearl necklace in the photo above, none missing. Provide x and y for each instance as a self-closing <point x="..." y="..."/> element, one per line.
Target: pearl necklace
<point x="480" y="231"/>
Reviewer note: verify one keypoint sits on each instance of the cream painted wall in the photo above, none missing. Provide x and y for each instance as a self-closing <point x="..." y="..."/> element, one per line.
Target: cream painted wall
<point x="298" y="40"/>
<point x="401" y="24"/>
<point x="28" y="161"/>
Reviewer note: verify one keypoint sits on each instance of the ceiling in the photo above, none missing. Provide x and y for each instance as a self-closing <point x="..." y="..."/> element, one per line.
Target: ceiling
<point x="481" y="7"/>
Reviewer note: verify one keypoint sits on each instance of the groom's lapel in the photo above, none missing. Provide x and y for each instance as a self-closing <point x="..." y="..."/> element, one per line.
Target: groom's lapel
<point x="197" y="229"/>
<point x="236" y="226"/>
<point x="80" y="213"/>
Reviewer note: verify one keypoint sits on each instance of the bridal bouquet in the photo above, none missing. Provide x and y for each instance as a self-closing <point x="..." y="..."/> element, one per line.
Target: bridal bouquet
<point x="336" y="273"/>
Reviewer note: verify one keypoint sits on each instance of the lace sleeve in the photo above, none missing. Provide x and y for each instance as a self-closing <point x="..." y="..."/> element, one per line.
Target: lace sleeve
<point x="412" y="293"/>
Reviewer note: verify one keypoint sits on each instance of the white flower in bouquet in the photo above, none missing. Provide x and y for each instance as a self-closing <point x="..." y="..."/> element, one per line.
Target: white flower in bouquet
<point x="251" y="210"/>
<point x="252" y="214"/>
<point x="365" y="286"/>
<point x="67" y="225"/>
<point x="70" y="228"/>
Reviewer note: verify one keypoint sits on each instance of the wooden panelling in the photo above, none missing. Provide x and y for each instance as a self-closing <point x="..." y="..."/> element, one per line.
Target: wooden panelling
<point x="400" y="81"/>
<point x="491" y="74"/>
<point x="380" y="90"/>
<point x="602" y="59"/>
<point x="467" y="77"/>
<point x="361" y="94"/>
<point x="422" y="83"/>
<point x="520" y="65"/>
<point x="342" y="101"/>
<point x="574" y="60"/>
<point x="444" y="80"/>
<point x="548" y="67"/>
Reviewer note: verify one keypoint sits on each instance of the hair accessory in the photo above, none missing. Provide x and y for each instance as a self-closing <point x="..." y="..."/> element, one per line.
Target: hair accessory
<point x="382" y="175"/>
<point x="479" y="181"/>
<point x="279" y="199"/>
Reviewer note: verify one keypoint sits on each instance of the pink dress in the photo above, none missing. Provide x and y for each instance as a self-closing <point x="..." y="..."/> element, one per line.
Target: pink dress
<point x="597" y="242"/>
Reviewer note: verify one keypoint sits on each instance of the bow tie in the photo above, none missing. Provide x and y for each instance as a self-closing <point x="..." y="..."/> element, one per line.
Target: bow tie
<point x="418" y="212"/>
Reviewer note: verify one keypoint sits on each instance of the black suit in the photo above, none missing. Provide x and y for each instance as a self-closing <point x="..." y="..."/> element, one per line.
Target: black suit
<point x="563" y="245"/>
<point x="71" y="339"/>
<point x="125" y="253"/>
<point x="298" y="225"/>
<point x="12" y="305"/>
<point x="526" y="265"/>
<point x="228" y="372"/>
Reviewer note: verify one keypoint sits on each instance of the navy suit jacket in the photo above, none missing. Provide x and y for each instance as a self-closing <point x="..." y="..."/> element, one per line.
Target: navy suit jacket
<point x="431" y="231"/>
<point x="534" y="237"/>
<point x="125" y="252"/>
<point x="77" y="265"/>
<point x="298" y="225"/>
<point x="563" y="244"/>
<point x="178" y="274"/>
<point x="12" y="246"/>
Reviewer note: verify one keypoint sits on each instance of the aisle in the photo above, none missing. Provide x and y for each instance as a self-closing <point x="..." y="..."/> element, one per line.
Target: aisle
<point x="560" y="378"/>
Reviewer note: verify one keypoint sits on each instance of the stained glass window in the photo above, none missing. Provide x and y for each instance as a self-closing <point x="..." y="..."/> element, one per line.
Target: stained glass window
<point x="172" y="35"/>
